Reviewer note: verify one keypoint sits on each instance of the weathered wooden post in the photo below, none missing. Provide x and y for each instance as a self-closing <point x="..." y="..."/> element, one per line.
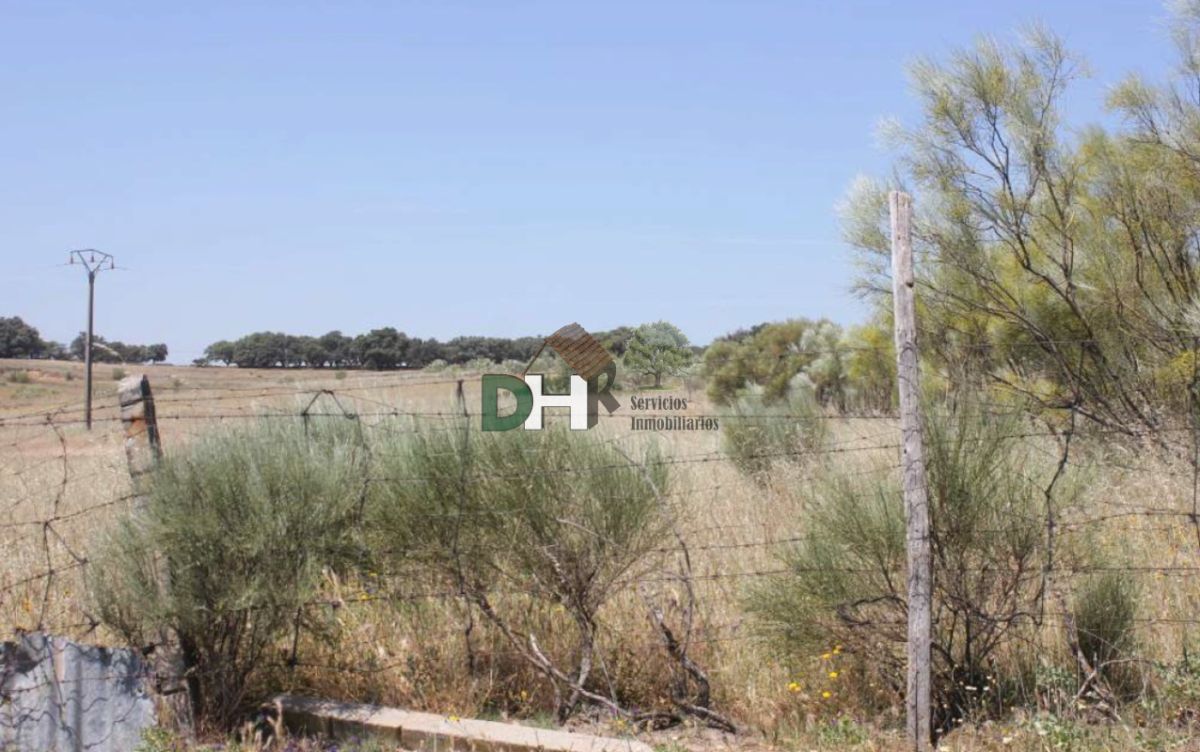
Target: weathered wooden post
<point x="142" y="446"/>
<point x="916" y="495"/>
<point x="143" y="450"/>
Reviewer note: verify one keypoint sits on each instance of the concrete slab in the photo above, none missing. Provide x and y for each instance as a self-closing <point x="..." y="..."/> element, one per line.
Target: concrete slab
<point x="428" y="732"/>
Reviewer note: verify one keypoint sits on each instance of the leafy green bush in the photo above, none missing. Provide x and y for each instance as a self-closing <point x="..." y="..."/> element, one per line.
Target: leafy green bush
<point x="246" y="521"/>
<point x="118" y="374"/>
<point x="760" y="434"/>
<point x="19" y="377"/>
<point x="846" y="582"/>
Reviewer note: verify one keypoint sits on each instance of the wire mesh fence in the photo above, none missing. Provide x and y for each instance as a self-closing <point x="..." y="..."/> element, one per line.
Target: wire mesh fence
<point x="61" y="486"/>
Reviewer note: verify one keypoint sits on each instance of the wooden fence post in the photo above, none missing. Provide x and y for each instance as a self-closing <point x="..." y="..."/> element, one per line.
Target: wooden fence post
<point x="143" y="451"/>
<point x="916" y="495"/>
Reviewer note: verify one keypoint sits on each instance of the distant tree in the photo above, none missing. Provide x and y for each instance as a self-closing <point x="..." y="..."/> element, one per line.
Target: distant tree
<point x="740" y="335"/>
<point x="113" y="351"/>
<point x="777" y="357"/>
<point x="338" y="348"/>
<point x="422" y="352"/>
<point x="310" y="352"/>
<point x="729" y="368"/>
<point x="56" y="351"/>
<point x="382" y="349"/>
<point x="19" y="340"/>
<point x="78" y="345"/>
<point x="130" y="353"/>
<point x="523" y="348"/>
<point x="102" y="350"/>
<point x="615" y="340"/>
<point x="658" y="349"/>
<point x="463" y="349"/>
<point x="222" y="351"/>
<point x="261" y="350"/>
<point x="871" y="366"/>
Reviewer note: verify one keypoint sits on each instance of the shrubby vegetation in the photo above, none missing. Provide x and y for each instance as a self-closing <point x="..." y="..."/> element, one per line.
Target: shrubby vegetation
<point x="846" y="582"/>
<point x="531" y="529"/>
<point x="248" y="522"/>
<point x="1056" y="261"/>
<point x="560" y="517"/>
<point x="852" y="371"/>
<point x="761" y="434"/>
<point x="1058" y="269"/>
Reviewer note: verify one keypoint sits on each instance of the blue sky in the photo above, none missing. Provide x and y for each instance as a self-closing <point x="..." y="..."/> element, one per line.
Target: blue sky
<point x="448" y="168"/>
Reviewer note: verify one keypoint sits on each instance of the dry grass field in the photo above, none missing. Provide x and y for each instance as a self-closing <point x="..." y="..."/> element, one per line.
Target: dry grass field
<point x="52" y="469"/>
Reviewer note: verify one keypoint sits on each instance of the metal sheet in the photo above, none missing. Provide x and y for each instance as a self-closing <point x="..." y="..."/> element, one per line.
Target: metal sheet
<point x="60" y="696"/>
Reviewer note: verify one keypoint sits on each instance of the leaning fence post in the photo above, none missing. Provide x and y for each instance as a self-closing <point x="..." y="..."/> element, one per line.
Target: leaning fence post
<point x="143" y="450"/>
<point x="916" y="495"/>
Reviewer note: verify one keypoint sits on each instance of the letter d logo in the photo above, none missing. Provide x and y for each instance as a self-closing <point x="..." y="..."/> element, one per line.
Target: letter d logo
<point x="492" y="384"/>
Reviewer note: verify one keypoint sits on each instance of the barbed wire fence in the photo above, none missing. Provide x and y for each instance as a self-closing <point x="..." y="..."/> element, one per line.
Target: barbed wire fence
<point x="60" y="484"/>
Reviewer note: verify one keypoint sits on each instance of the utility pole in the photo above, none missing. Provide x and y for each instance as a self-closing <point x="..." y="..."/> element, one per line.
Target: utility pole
<point x="94" y="262"/>
<point x="916" y="494"/>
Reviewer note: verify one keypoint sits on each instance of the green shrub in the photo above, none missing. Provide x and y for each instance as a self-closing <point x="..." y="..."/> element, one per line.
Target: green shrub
<point x="555" y="371"/>
<point x="480" y="365"/>
<point x="560" y="517"/>
<point x="19" y="377"/>
<point x="846" y="582"/>
<point x="118" y="374"/>
<point x="246" y="520"/>
<point x="758" y="434"/>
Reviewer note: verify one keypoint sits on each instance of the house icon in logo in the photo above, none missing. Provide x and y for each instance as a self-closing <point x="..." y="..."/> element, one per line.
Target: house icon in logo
<point x="580" y="350"/>
<point x="589" y="362"/>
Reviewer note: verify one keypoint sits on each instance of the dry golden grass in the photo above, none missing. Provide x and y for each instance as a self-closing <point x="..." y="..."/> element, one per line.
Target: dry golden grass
<point x="413" y="655"/>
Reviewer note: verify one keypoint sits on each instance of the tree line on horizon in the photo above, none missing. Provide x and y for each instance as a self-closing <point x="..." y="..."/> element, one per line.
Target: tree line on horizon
<point x="21" y="340"/>
<point x="381" y="349"/>
<point x="841" y="369"/>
